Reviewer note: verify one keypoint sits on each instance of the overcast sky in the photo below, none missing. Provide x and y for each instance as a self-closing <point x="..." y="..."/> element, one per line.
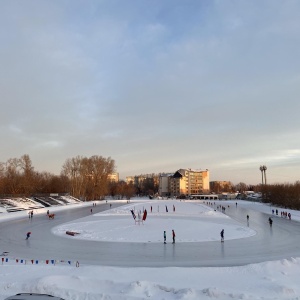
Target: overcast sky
<point x="155" y="85"/>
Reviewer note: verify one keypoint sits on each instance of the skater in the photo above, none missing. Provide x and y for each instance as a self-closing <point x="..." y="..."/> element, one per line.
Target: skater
<point x="91" y="210"/>
<point x="270" y="222"/>
<point x="173" y="208"/>
<point x="28" y="235"/>
<point x="222" y="235"/>
<point x="247" y="218"/>
<point x="48" y="212"/>
<point x="165" y="237"/>
<point x="110" y="205"/>
<point x="31" y="214"/>
<point x="173" y="236"/>
<point x="166" y="208"/>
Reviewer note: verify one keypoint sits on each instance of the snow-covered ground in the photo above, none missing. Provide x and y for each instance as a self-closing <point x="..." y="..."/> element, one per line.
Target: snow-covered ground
<point x="268" y="280"/>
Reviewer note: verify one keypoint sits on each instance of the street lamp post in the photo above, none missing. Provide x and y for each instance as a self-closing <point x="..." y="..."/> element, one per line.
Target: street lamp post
<point x="263" y="169"/>
<point x="263" y="174"/>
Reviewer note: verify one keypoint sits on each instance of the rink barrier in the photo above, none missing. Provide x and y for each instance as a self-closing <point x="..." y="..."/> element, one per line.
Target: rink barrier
<point x="36" y="261"/>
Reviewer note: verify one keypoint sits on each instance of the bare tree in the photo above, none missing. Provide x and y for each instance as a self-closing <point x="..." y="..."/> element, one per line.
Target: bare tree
<point x="88" y="176"/>
<point x="27" y="177"/>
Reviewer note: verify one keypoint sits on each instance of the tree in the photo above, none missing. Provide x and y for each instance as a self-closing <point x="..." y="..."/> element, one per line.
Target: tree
<point x="27" y="177"/>
<point x="88" y="176"/>
<point x="241" y="187"/>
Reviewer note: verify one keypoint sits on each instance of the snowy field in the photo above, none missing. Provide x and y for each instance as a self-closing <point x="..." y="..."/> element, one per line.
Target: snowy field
<point x="192" y="221"/>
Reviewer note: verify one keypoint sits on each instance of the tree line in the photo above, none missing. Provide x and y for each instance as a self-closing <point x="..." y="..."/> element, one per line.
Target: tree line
<point x="285" y="195"/>
<point x="282" y="194"/>
<point x="86" y="178"/>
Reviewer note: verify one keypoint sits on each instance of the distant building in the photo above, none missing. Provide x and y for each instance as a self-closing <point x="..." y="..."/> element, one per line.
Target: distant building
<point x="163" y="188"/>
<point x="220" y="186"/>
<point x="146" y="184"/>
<point x="130" y="179"/>
<point x="188" y="182"/>
<point x="139" y="179"/>
<point x="183" y="182"/>
<point x="113" y="177"/>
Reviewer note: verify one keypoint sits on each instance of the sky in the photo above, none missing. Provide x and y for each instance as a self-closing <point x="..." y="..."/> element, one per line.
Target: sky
<point x="267" y="280"/>
<point x="155" y="85"/>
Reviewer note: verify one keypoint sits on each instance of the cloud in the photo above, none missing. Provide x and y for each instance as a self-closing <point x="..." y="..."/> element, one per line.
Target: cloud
<point x="162" y="86"/>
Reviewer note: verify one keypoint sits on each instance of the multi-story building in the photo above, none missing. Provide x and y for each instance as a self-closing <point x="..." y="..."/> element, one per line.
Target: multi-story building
<point x="130" y="179"/>
<point x="220" y="186"/>
<point x="163" y="189"/>
<point x="183" y="182"/>
<point x="145" y="183"/>
<point x="113" y="177"/>
<point x="188" y="182"/>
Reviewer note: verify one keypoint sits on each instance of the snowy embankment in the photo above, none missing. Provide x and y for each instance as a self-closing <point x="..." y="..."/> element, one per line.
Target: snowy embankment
<point x="269" y="280"/>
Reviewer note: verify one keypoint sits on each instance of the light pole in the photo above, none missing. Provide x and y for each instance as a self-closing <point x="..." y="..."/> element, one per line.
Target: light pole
<point x="265" y="169"/>
<point x="263" y="174"/>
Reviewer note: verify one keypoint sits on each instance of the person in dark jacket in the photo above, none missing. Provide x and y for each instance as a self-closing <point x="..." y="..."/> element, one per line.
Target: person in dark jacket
<point x="222" y="235"/>
<point x="28" y="235"/>
<point x="270" y="221"/>
<point x="165" y="237"/>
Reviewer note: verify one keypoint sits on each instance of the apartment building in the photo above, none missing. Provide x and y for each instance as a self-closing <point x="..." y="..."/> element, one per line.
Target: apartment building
<point x="182" y="182"/>
<point x="185" y="182"/>
<point x="130" y="179"/>
<point x="145" y="184"/>
<point x="163" y="189"/>
<point x="140" y="179"/>
<point x="113" y="177"/>
<point x="220" y="186"/>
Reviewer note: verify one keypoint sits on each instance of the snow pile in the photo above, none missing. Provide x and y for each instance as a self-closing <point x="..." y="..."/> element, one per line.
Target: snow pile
<point x="269" y="280"/>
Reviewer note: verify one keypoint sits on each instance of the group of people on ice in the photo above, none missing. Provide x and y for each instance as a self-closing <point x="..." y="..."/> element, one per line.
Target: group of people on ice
<point x="173" y="236"/>
<point x="284" y="214"/>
